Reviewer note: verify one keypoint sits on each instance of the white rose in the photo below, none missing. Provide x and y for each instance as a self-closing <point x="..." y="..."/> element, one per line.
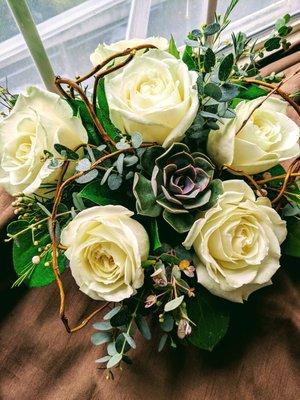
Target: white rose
<point x="268" y="138"/>
<point x="38" y="120"/>
<point x="237" y="243"/>
<point x="105" y="249"/>
<point x="155" y="96"/>
<point x="103" y="51"/>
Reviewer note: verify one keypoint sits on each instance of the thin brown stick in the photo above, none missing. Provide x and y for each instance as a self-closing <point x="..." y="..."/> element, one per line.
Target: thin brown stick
<point x="266" y="97"/>
<point x="59" y="80"/>
<point x="281" y="93"/>
<point x="52" y="224"/>
<point x="106" y="72"/>
<point x="112" y="58"/>
<point x="249" y="177"/>
<point x="286" y="180"/>
<point x="278" y="177"/>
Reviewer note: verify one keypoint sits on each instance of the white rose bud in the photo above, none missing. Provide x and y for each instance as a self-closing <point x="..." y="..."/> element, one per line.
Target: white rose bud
<point x="106" y="248"/>
<point x="268" y="138"/>
<point x="38" y="120"/>
<point x="237" y="243"/>
<point x="103" y="51"/>
<point x="154" y="95"/>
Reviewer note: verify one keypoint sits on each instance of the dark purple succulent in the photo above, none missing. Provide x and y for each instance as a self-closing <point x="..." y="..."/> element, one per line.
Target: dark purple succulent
<point x="181" y="185"/>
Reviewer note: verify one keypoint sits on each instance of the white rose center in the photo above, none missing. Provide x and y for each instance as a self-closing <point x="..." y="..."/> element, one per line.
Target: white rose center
<point x="263" y="130"/>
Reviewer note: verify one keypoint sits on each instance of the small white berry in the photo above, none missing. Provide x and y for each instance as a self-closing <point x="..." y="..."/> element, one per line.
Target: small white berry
<point x="35" y="260"/>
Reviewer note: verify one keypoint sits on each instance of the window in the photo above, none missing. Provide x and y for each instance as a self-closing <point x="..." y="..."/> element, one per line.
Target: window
<point x="72" y="29"/>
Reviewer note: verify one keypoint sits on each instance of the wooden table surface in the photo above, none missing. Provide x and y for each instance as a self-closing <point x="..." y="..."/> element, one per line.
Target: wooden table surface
<point x="258" y="359"/>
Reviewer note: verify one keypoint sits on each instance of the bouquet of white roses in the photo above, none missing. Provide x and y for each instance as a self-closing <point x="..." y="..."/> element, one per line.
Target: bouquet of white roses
<point x="161" y="189"/>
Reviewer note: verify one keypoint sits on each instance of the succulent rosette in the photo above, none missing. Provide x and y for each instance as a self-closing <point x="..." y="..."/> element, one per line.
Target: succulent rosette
<point x="181" y="183"/>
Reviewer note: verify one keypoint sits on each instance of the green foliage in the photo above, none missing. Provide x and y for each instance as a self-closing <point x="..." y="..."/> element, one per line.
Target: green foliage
<point x="210" y="318"/>
<point x="98" y="194"/>
<point x="103" y="113"/>
<point x="80" y="110"/>
<point x="225" y="67"/>
<point x="145" y="198"/>
<point x="65" y="152"/>
<point x="34" y="275"/>
<point x="154" y="235"/>
<point x="188" y="59"/>
<point x="209" y="60"/>
<point x="173" y="48"/>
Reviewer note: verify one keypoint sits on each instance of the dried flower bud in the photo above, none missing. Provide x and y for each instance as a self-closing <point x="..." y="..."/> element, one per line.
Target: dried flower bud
<point x="184" y="328"/>
<point x="261" y="193"/>
<point x="150" y="300"/>
<point x="190" y="271"/>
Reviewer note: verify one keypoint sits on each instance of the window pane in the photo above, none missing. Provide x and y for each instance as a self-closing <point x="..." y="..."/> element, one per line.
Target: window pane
<point x="70" y="35"/>
<point x="176" y="17"/>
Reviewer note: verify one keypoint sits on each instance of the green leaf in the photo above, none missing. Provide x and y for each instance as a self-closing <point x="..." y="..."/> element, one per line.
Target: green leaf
<point x="23" y="252"/>
<point x="98" y="194"/>
<point x="291" y="245"/>
<point x="180" y="222"/>
<point x="170" y="259"/>
<point x="103" y="113"/>
<point x="229" y="92"/>
<point x="173" y="48"/>
<point x="143" y="327"/>
<point x="80" y="110"/>
<point x="100" y="338"/>
<point x="16" y="226"/>
<point x="188" y="59"/>
<point x="168" y="323"/>
<point x="154" y="235"/>
<point x="173" y="304"/>
<point x="148" y="158"/>
<point x="209" y="60"/>
<point x="129" y="340"/>
<point x="225" y="67"/>
<point x="213" y="90"/>
<point x="111" y="313"/>
<point x="102" y="360"/>
<point x="66" y="152"/>
<point x="229" y="9"/>
<point x="272" y="44"/>
<point x="284" y="31"/>
<point x="114" y="181"/>
<point x="88" y="177"/>
<point x="145" y="198"/>
<point x="162" y="342"/>
<point x="252" y="92"/>
<point x="114" y="360"/>
<point x="212" y="29"/>
<point x="136" y="140"/>
<point x="210" y="317"/>
<point x="200" y="85"/>
<point x="102" y="326"/>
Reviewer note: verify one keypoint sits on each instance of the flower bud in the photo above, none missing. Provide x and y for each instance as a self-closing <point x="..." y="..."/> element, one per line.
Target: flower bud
<point x="184" y="328"/>
<point x="150" y="300"/>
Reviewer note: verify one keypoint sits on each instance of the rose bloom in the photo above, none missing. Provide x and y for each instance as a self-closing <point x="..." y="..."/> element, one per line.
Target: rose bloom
<point x="38" y="120"/>
<point x="105" y="248"/>
<point x="268" y="138"/>
<point x="103" y="51"/>
<point x="237" y="243"/>
<point x="155" y="96"/>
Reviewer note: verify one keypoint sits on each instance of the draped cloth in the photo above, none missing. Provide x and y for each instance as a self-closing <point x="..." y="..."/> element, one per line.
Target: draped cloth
<point x="258" y="358"/>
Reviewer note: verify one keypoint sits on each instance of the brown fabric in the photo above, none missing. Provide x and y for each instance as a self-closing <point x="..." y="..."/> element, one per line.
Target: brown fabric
<point x="258" y="359"/>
